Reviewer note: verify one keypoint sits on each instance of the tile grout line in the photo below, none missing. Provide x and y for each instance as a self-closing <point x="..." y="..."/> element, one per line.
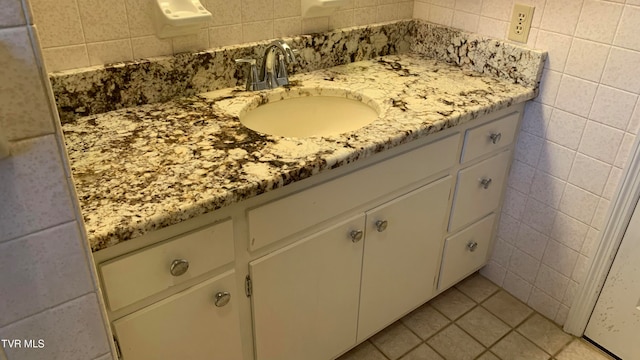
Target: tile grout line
<point x="453" y="322"/>
<point x="476" y="304"/>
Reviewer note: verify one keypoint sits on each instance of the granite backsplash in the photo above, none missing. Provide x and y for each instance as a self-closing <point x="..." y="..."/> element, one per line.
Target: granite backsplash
<point x="101" y="89"/>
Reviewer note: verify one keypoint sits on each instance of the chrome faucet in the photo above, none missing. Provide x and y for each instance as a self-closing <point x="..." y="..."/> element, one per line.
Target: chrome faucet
<point x="274" y="67"/>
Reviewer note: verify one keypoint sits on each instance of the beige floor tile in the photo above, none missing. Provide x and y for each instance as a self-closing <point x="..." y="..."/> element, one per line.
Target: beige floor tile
<point x="477" y="287"/>
<point x="425" y="321"/>
<point x="507" y="308"/>
<point x="395" y="341"/>
<point x="488" y="356"/>
<point x="452" y="303"/>
<point x="544" y="333"/>
<point x="455" y="344"/>
<point x="483" y="326"/>
<point x="422" y="352"/>
<point x="581" y="350"/>
<point x="364" y="351"/>
<point x="515" y="347"/>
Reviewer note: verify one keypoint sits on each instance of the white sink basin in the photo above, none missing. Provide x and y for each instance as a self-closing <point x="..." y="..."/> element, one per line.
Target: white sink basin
<point x="303" y="115"/>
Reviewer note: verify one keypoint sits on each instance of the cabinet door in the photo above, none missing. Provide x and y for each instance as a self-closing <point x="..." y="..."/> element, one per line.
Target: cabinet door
<point x="401" y="261"/>
<point x="305" y="296"/>
<point x="188" y="325"/>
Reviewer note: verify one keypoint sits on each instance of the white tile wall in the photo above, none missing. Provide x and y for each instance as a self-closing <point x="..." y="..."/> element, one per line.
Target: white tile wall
<point x="34" y="190"/>
<point x="598" y="21"/>
<point x="601" y="141"/>
<point x="576" y="95"/>
<point x="574" y="141"/>
<point x="627" y="35"/>
<point x="531" y="241"/>
<point x="12" y="13"/>
<point x="49" y="289"/>
<point x="557" y="45"/>
<point x="589" y="174"/>
<point x="71" y="331"/>
<point x="22" y="90"/>
<point x="561" y="16"/>
<point x="517" y="286"/>
<point x="556" y="160"/>
<point x="57" y="272"/>
<point x="560" y="258"/>
<point x="538" y="215"/>
<point x="613" y="107"/>
<point x="587" y="59"/>
<point x="622" y="70"/>
<point x="79" y="33"/>
<point x="565" y="129"/>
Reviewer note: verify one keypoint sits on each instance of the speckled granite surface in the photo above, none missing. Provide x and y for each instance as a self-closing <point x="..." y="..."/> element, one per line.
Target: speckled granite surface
<point x="479" y="53"/>
<point x="147" y="167"/>
<point x="100" y="89"/>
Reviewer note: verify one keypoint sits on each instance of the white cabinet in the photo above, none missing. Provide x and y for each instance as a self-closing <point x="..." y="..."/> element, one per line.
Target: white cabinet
<point x="133" y="277"/>
<point x="310" y="297"/>
<point x="401" y="254"/>
<point x="466" y="251"/>
<point x="489" y="137"/>
<point x="200" y="323"/>
<point x="479" y="190"/>
<point x="305" y="296"/>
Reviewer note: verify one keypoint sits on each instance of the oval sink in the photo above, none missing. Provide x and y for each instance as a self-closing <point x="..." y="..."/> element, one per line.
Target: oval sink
<point x="303" y="116"/>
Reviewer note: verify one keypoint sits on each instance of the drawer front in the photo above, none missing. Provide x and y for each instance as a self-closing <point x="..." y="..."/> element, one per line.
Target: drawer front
<point x="489" y="137"/>
<point x="188" y="325"/>
<point x="133" y="277"/>
<point x="478" y="190"/>
<point x="287" y="216"/>
<point x="466" y="251"/>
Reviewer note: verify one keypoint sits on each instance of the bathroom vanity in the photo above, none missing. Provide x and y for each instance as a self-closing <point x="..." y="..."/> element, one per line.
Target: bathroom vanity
<point x="213" y="241"/>
<point x="322" y="266"/>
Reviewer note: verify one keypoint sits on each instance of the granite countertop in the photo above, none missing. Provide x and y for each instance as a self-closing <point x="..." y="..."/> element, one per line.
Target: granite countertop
<point x="143" y="168"/>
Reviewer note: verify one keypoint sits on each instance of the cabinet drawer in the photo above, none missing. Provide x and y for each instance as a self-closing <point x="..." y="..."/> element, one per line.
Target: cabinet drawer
<point x="133" y="277"/>
<point x="478" y="190"/>
<point x="287" y="216"/>
<point x="489" y="137"/>
<point x="466" y="251"/>
<point x="188" y="325"/>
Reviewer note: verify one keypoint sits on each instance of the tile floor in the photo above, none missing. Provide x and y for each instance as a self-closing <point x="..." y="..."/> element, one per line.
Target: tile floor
<point x="474" y="320"/>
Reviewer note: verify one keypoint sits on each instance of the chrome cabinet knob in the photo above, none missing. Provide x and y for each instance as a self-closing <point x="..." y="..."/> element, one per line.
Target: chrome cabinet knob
<point x="179" y="267"/>
<point x="472" y="246"/>
<point x="485" y="182"/>
<point x="381" y="225"/>
<point x="495" y="137"/>
<point x="356" y="235"/>
<point x="222" y="298"/>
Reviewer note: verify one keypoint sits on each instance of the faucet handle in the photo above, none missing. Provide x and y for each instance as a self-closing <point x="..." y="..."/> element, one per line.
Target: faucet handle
<point x="253" y="83"/>
<point x="245" y="60"/>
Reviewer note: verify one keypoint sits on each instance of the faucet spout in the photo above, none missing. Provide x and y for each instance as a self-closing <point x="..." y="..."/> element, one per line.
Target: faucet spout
<point x="276" y="56"/>
<point x="274" y="67"/>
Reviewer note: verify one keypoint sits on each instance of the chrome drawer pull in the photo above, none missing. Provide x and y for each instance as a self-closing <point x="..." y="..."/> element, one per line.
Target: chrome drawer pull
<point x="222" y="298"/>
<point x="472" y="246"/>
<point x="381" y="225"/>
<point x="485" y="182"/>
<point x="179" y="267"/>
<point x="495" y="137"/>
<point x="356" y="235"/>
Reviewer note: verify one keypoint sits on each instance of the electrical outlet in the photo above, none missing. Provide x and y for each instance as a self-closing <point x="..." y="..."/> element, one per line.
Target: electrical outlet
<point x="520" y="23"/>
